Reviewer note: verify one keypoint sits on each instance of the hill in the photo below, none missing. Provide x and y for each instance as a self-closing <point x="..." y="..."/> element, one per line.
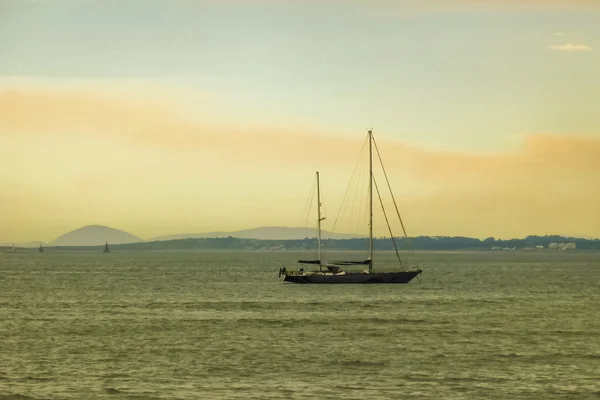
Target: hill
<point x="263" y="233"/>
<point x="95" y="235"/>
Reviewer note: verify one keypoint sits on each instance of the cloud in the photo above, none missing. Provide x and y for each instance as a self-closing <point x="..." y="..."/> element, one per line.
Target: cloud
<point x="68" y="114"/>
<point x="570" y="47"/>
<point x="528" y="3"/>
<point x="188" y="172"/>
<point x="392" y="8"/>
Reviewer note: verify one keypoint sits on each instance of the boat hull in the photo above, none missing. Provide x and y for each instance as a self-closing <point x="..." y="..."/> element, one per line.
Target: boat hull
<point x="354" y="278"/>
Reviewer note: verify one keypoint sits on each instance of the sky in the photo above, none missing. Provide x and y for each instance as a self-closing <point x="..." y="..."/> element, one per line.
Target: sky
<point x="165" y="117"/>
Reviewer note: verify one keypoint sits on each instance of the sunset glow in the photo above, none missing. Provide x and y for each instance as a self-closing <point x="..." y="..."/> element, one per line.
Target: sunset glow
<point x="215" y="115"/>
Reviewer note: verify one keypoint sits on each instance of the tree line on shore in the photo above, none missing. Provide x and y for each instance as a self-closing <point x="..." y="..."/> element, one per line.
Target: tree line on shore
<point x="414" y="243"/>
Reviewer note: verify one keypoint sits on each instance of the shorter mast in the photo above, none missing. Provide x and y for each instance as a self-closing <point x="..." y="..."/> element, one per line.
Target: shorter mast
<point x="319" y="219"/>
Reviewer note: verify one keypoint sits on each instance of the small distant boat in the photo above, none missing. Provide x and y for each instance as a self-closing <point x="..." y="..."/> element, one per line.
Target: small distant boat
<point x="333" y="272"/>
<point x="106" y="250"/>
<point x="41" y="249"/>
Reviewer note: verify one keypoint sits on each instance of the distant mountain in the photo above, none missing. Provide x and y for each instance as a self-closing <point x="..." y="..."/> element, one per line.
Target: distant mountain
<point x="95" y="235"/>
<point x="264" y="233"/>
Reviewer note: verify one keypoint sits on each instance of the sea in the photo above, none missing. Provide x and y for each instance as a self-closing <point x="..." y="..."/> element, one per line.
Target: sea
<point x="222" y="325"/>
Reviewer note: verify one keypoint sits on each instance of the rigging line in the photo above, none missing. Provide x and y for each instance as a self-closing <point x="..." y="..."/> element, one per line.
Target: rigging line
<point x="353" y="194"/>
<point x="387" y="222"/>
<point x="324" y="215"/>
<point x="358" y="193"/>
<point x="304" y="210"/>
<point x="361" y="225"/>
<point x="363" y="207"/>
<point x="392" y="193"/>
<point x="347" y="188"/>
<point x="308" y="205"/>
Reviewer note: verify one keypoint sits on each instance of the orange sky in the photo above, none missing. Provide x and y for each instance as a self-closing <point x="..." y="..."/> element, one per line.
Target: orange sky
<point x="214" y="115"/>
<point x="91" y="154"/>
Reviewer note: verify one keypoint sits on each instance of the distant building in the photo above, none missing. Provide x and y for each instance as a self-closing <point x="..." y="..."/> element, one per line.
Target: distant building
<point x="273" y="248"/>
<point x="562" y="246"/>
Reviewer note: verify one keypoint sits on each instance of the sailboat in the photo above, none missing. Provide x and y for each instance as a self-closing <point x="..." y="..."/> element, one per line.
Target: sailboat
<point x="106" y="250"/>
<point x="333" y="272"/>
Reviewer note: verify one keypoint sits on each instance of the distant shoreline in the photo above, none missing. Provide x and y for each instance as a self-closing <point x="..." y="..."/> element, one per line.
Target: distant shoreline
<point x="424" y="243"/>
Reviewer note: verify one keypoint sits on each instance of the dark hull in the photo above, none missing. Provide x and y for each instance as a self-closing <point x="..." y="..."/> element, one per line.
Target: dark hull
<point x="352" y="278"/>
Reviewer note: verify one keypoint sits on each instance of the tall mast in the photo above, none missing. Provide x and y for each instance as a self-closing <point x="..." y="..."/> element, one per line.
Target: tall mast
<point x="370" y="200"/>
<point x="319" y="220"/>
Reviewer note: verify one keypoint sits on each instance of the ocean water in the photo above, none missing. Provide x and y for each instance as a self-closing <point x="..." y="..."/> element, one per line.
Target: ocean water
<point x="217" y="325"/>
